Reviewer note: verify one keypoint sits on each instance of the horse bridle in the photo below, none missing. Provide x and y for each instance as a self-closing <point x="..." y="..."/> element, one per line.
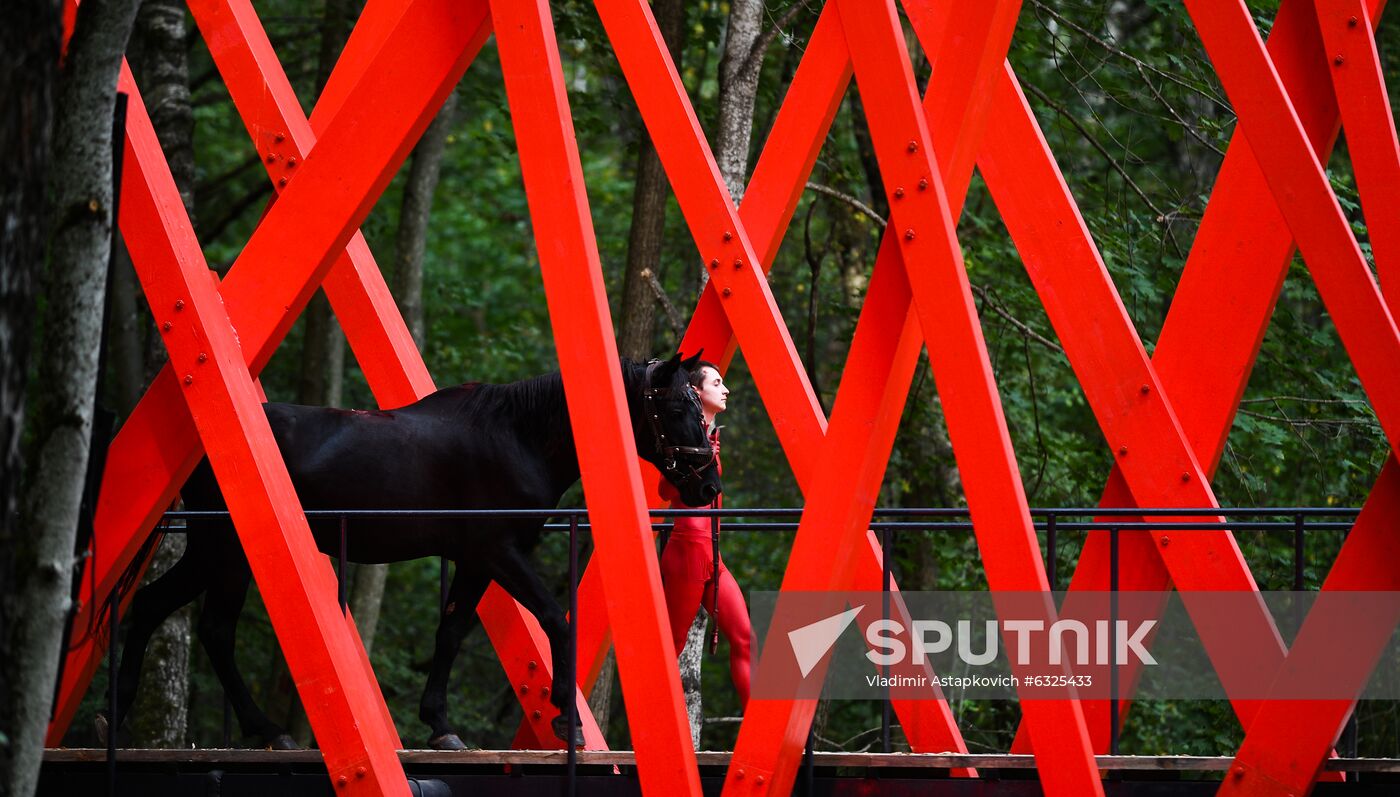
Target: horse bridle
<point x="695" y="459"/>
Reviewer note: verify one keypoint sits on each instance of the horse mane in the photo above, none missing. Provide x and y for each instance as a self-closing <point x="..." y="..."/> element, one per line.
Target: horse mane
<point x="536" y="402"/>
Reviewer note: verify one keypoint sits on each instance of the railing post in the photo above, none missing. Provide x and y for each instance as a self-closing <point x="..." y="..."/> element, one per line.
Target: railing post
<point x="572" y="658"/>
<point x="1298" y="553"/>
<point x="886" y="546"/>
<point x="341" y="587"/>
<point x="114" y="602"/>
<point x="1113" y="728"/>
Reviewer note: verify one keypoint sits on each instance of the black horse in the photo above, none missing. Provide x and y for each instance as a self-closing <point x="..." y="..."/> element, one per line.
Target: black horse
<point x="467" y="447"/>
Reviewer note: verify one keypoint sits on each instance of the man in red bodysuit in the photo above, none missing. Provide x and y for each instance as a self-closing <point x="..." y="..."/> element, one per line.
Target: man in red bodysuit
<point x="688" y="561"/>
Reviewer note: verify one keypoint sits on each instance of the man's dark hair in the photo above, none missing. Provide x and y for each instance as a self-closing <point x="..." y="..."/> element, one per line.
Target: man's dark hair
<point x="697" y="374"/>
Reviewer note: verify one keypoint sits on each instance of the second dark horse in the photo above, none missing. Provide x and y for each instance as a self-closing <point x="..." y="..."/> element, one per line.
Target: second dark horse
<point x="466" y="447"/>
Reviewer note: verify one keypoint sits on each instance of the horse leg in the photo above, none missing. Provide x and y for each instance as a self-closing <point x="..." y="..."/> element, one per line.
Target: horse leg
<point x="468" y="585"/>
<point x="513" y="571"/>
<point x="151" y="605"/>
<point x="218" y="627"/>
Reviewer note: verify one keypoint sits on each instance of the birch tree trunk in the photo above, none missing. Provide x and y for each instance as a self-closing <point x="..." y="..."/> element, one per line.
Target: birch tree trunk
<point x="29" y="47"/>
<point x="80" y="187"/>
<point x="159" y="715"/>
<point x="637" y="325"/>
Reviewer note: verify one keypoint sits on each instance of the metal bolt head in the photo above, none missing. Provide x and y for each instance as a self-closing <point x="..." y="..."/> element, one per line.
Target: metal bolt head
<point x="1238" y="772"/>
<point x="714" y="263"/>
<point x="291" y="163"/>
<point x="537" y="713"/>
<point x="1185" y="477"/>
<point x="923" y="183"/>
<point x="1351" y="23"/>
<point x="913" y="145"/>
<point x="1123" y="451"/>
<point x="341" y="782"/>
<point x="758" y="780"/>
<point x="725" y="292"/>
<point x="272" y="157"/>
<point x="279" y="138"/>
<point x="899" y="193"/>
<point x="1166" y="541"/>
<point x="909" y="234"/>
<point x="739" y="775"/>
<point x="360" y="772"/>
<point x="189" y="379"/>
<point x="202" y="357"/>
<point x="533" y="664"/>
<point x="1145" y="389"/>
<point x="728" y="236"/>
<point x="179" y="305"/>
<point x="544" y="691"/>
<point x="1339" y="60"/>
<point x="738" y="263"/>
<point x="165" y="326"/>
<point x="524" y="689"/>
<point x="282" y="181"/>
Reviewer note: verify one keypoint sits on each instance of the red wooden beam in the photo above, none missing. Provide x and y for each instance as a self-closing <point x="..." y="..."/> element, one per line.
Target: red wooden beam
<point x="574" y="289"/>
<point x="426" y="50"/>
<point x="296" y="582"/>
<point x="1222" y="306"/>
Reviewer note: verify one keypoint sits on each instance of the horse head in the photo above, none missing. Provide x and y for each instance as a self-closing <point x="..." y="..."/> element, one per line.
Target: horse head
<point x="670" y="430"/>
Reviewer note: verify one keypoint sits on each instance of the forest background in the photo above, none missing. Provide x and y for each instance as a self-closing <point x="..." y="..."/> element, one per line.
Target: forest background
<point x="1138" y="124"/>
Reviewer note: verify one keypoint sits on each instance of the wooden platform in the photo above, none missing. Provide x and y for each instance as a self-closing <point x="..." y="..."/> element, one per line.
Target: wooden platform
<point x="592" y="758"/>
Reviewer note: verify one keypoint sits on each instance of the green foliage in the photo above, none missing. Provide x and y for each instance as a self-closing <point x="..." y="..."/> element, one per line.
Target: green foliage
<point x="1138" y="125"/>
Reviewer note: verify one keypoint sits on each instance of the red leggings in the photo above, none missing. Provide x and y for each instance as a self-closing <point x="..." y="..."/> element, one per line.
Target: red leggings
<point x="686" y="568"/>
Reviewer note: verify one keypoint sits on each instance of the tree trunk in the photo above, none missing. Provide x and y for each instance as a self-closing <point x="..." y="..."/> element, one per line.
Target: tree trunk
<point x="161" y="63"/>
<point x="637" y="324"/>
<point x="125" y="342"/>
<point x="29" y="48"/>
<point x="690" y="659"/>
<point x="414" y="216"/>
<point x="860" y="128"/>
<point x="323" y="350"/>
<point x="739" y="70"/>
<point x="158" y="717"/>
<point x="322" y="356"/>
<point x="80" y="185"/>
<point x="323" y="344"/>
<point x="600" y="700"/>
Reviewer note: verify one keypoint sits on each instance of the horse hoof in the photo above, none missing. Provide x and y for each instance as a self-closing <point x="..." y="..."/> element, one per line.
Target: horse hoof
<point x="447" y="741"/>
<point x="560" y="724"/>
<point x="100" y="724"/>
<point x="282" y="741"/>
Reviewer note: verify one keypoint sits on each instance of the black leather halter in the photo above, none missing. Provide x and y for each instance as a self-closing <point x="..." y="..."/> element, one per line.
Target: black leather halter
<point x="694" y="459"/>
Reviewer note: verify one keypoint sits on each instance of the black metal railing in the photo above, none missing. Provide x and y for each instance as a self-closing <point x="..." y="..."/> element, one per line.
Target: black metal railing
<point x="888" y="522"/>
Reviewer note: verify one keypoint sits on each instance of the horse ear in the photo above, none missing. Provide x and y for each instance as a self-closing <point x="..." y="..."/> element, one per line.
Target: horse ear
<point x="688" y="363"/>
<point x="668" y="369"/>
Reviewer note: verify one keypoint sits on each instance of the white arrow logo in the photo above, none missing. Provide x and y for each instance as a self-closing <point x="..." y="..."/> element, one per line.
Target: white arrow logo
<point x="810" y="643"/>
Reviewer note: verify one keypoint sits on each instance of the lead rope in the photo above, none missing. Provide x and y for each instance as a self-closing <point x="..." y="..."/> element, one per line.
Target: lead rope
<point x="714" y="579"/>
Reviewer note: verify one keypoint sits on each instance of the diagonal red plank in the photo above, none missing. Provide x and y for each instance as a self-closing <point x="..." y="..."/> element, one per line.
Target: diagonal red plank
<point x="770" y="199"/>
<point x="577" y="298"/>
<point x="289" y="253"/>
<point x="362" y="302"/>
<point x="298" y="586"/>
<point x="1303" y="194"/>
<point x="1222" y="306"/>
